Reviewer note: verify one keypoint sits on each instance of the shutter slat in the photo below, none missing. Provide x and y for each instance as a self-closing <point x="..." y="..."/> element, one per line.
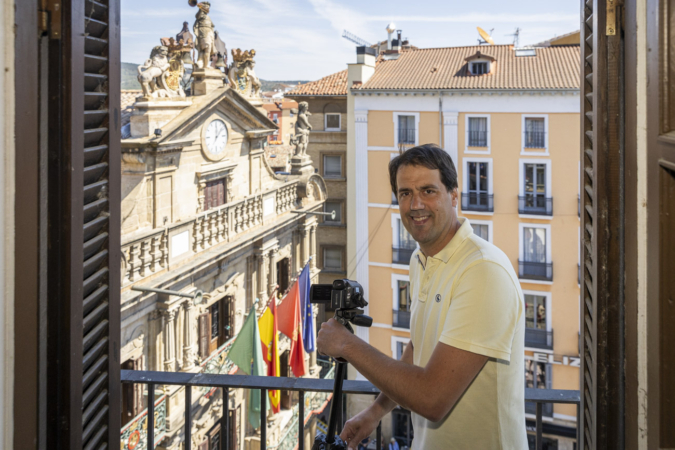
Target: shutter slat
<point x="94" y="335"/>
<point x="92" y="300"/>
<point x="95" y="387"/>
<point x="91" y="318"/>
<point x="94" y="245"/>
<point x="94" y="370"/>
<point x="97" y="422"/>
<point x="94" y="353"/>
<point x="93" y="281"/>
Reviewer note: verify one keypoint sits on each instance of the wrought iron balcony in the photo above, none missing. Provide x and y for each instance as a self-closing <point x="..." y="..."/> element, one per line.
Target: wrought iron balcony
<point x="401" y="255"/>
<point x="535" y="139"/>
<point x="401" y="319"/>
<point x="406" y="136"/>
<point x="535" y="205"/>
<point x="536" y="338"/>
<point x="477" y="138"/>
<point x="304" y="386"/>
<point x="535" y="271"/>
<point x="481" y="202"/>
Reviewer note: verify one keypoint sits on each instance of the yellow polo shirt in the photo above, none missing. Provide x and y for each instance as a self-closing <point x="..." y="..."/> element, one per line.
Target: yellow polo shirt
<point x="468" y="296"/>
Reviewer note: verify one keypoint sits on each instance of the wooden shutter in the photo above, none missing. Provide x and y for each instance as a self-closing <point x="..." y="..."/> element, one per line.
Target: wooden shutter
<point x="602" y="227"/>
<point x="84" y="205"/>
<point x="204" y="334"/>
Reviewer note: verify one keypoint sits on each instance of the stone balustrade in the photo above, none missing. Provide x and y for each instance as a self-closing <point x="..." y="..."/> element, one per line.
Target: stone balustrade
<point x="152" y="253"/>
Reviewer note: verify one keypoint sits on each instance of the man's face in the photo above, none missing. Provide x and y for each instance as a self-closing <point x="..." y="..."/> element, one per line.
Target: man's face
<point x="427" y="208"/>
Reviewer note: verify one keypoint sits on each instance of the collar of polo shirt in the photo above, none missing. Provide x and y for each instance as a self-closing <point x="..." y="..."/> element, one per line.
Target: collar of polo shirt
<point x="451" y="247"/>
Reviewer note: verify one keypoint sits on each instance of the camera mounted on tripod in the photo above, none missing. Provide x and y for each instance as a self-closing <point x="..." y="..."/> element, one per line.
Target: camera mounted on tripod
<point x="346" y="298"/>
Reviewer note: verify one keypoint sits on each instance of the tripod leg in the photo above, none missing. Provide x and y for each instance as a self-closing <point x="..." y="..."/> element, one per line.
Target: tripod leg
<point x="335" y="417"/>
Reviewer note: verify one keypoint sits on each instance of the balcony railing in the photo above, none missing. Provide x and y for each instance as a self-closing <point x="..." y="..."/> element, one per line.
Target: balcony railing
<point x="534" y="337"/>
<point x="401" y="255"/>
<point x="481" y="202"/>
<point x="535" y="205"/>
<point x="134" y="435"/>
<point x="477" y="138"/>
<point x="304" y="386"/>
<point x="406" y="136"/>
<point x="535" y="271"/>
<point x="149" y="254"/>
<point x="535" y="139"/>
<point x="401" y="319"/>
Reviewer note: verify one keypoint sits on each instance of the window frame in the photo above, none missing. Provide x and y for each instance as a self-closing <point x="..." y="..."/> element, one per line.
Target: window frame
<point x="323" y="259"/>
<point x="472" y="150"/>
<point x="521" y="183"/>
<point x="488" y="66"/>
<point x="549" y="303"/>
<point x="524" y="150"/>
<point x="521" y="243"/>
<point x="395" y="278"/>
<point x="394" y="341"/>
<point x="325" y="121"/>
<point x="465" y="181"/>
<point x="326" y="221"/>
<point x="417" y="127"/>
<point x="395" y="229"/>
<point x="323" y="166"/>
<point x="210" y="184"/>
<point x="489" y="224"/>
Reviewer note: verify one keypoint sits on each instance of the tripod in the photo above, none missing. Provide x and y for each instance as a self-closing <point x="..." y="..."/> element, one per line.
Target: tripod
<point x="330" y="441"/>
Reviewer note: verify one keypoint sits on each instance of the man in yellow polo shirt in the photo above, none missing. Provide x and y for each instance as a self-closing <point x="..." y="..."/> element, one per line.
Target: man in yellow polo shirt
<point x="461" y="375"/>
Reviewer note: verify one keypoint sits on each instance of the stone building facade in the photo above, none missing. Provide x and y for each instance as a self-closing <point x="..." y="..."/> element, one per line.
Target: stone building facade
<point x="207" y="223"/>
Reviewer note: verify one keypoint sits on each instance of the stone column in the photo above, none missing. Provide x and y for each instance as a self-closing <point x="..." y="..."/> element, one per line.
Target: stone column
<point x="305" y="246"/>
<point x="169" y="343"/>
<point x="188" y="354"/>
<point x="312" y="247"/>
<point x="272" y="275"/>
<point x="450" y="136"/>
<point x="262" y="278"/>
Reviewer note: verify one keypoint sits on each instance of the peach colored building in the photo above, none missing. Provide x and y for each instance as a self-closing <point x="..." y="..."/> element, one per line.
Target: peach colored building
<point x="509" y="118"/>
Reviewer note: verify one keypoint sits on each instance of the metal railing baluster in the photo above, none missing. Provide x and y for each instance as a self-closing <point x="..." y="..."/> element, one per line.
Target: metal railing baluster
<point x="379" y="436"/>
<point x="151" y="416"/>
<point x="539" y="444"/>
<point x="224" y="421"/>
<point x="188" y="417"/>
<point x="301" y="420"/>
<point x="263" y="419"/>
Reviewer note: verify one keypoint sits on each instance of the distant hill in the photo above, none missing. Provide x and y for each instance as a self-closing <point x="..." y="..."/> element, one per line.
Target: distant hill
<point x="130" y="73"/>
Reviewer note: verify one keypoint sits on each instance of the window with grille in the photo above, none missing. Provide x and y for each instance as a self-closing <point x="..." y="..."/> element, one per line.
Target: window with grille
<point x="406" y="130"/>
<point x="535" y="186"/>
<point x="330" y="207"/>
<point x="214" y="194"/>
<point x="332" y="258"/>
<point x="535" y="133"/>
<point x="332" y="166"/>
<point x="479" y="68"/>
<point x="535" y="311"/>
<point x="333" y="122"/>
<point x="481" y="230"/>
<point x="478" y="131"/>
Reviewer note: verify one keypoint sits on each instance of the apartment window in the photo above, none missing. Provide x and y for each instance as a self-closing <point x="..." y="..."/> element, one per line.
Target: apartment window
<point x="214" y="194"/>
<point x="538" y="376"/>
<point x="329" y="207"/>
<point x="537" y="333"/>
<point x="535" y="132"/>
<point x="481" y="230"/>
<point x="332" y="166"/>
<point x="478" y="132"/>
<point x="214" y="326"/>
<point x="332" y="122"/>
<point x="406" y="130"/>
<point x="402" y="428"/>
<point x="332" y="259"/>
<point x="401" y="312"/>
<point x="535" y="190"/>
<point x="479" y="68"/>
<point x="400" y="348"/>
<point x="476" y="195"/>
<point x="404" y="244"/>
<point x="534" y="261"/>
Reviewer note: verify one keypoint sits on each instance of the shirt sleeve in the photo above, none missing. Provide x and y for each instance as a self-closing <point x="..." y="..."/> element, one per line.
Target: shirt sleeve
<point x="484" y="312"/>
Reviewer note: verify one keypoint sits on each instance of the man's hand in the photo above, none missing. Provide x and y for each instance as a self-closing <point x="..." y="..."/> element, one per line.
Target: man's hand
<point x="333" y="338"/>
<point x="359" y="427"/>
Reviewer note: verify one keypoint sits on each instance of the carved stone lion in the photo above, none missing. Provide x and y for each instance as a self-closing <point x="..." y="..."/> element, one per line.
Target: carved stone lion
<point x="150" y="72"/>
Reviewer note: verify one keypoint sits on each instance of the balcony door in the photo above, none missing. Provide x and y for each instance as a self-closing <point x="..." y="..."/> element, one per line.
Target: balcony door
<point x="535" y="186"/>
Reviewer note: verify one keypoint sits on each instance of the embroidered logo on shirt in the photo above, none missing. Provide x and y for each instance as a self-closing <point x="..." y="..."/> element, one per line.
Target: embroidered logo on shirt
<point x="438" y="298"/>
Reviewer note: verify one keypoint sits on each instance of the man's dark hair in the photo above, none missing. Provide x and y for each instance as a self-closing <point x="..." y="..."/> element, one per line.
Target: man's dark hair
<point x="430" y="156"/>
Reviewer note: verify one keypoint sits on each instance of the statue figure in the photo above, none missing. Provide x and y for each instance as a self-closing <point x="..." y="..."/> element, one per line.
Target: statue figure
<point x="153" y="69"/>
<point x="302" y="129"/>
<point x="204" y="35"/>
<point x="242" y="74"/>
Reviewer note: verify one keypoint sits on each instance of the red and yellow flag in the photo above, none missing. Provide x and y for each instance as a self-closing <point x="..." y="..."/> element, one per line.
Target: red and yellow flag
<point x="270" y="348"/>
<point x="290" y="323"/>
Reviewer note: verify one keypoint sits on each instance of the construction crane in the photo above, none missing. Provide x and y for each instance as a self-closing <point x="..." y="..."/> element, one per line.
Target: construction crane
<point x="355" y="39"/>
<point x="516" y="37"/>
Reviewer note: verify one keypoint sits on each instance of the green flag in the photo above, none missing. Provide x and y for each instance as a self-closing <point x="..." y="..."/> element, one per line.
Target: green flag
<point x="246" y="353"/>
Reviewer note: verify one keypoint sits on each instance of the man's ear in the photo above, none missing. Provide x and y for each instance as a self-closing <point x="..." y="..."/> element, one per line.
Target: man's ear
<point x="455" y="197"/>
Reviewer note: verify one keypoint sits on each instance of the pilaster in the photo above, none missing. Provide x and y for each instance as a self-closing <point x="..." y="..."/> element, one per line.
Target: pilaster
<point x="169" y="343"/>
<point x="450" y="133"/>
<point x="361" y="202"/>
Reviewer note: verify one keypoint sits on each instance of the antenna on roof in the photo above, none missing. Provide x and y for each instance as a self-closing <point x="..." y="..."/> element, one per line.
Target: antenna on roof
<point x="516" y="37"/>
<point x="355" y="39"/>
<point x="487" y="38"/>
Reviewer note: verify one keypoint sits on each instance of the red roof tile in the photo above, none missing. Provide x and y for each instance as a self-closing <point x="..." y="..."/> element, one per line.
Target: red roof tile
<point x="333" y="85"/>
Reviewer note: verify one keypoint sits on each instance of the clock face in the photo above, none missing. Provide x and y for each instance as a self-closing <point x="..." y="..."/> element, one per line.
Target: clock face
<point x="216" y="137"/>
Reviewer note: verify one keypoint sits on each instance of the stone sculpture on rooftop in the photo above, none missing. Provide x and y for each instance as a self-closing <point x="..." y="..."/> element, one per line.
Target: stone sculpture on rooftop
<point x="151" y="72"/>
<point x="204" y="35"/>
<point x="242" y="74"/>
<point x="302" y="129"/>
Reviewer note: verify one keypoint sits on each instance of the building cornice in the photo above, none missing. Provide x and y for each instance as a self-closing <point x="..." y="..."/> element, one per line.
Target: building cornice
<point x="463" y="92"/>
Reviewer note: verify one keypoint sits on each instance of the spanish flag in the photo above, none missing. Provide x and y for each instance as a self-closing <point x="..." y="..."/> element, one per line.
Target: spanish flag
<point x="290" y="323"/>
<point x="270" y="349"/>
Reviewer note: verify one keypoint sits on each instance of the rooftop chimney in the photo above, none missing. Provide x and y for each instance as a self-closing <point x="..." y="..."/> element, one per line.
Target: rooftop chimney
<point x="390" y="33"/>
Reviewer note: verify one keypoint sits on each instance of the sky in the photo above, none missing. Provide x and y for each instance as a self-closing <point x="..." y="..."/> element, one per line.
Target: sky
<point x="302" y="39"/>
